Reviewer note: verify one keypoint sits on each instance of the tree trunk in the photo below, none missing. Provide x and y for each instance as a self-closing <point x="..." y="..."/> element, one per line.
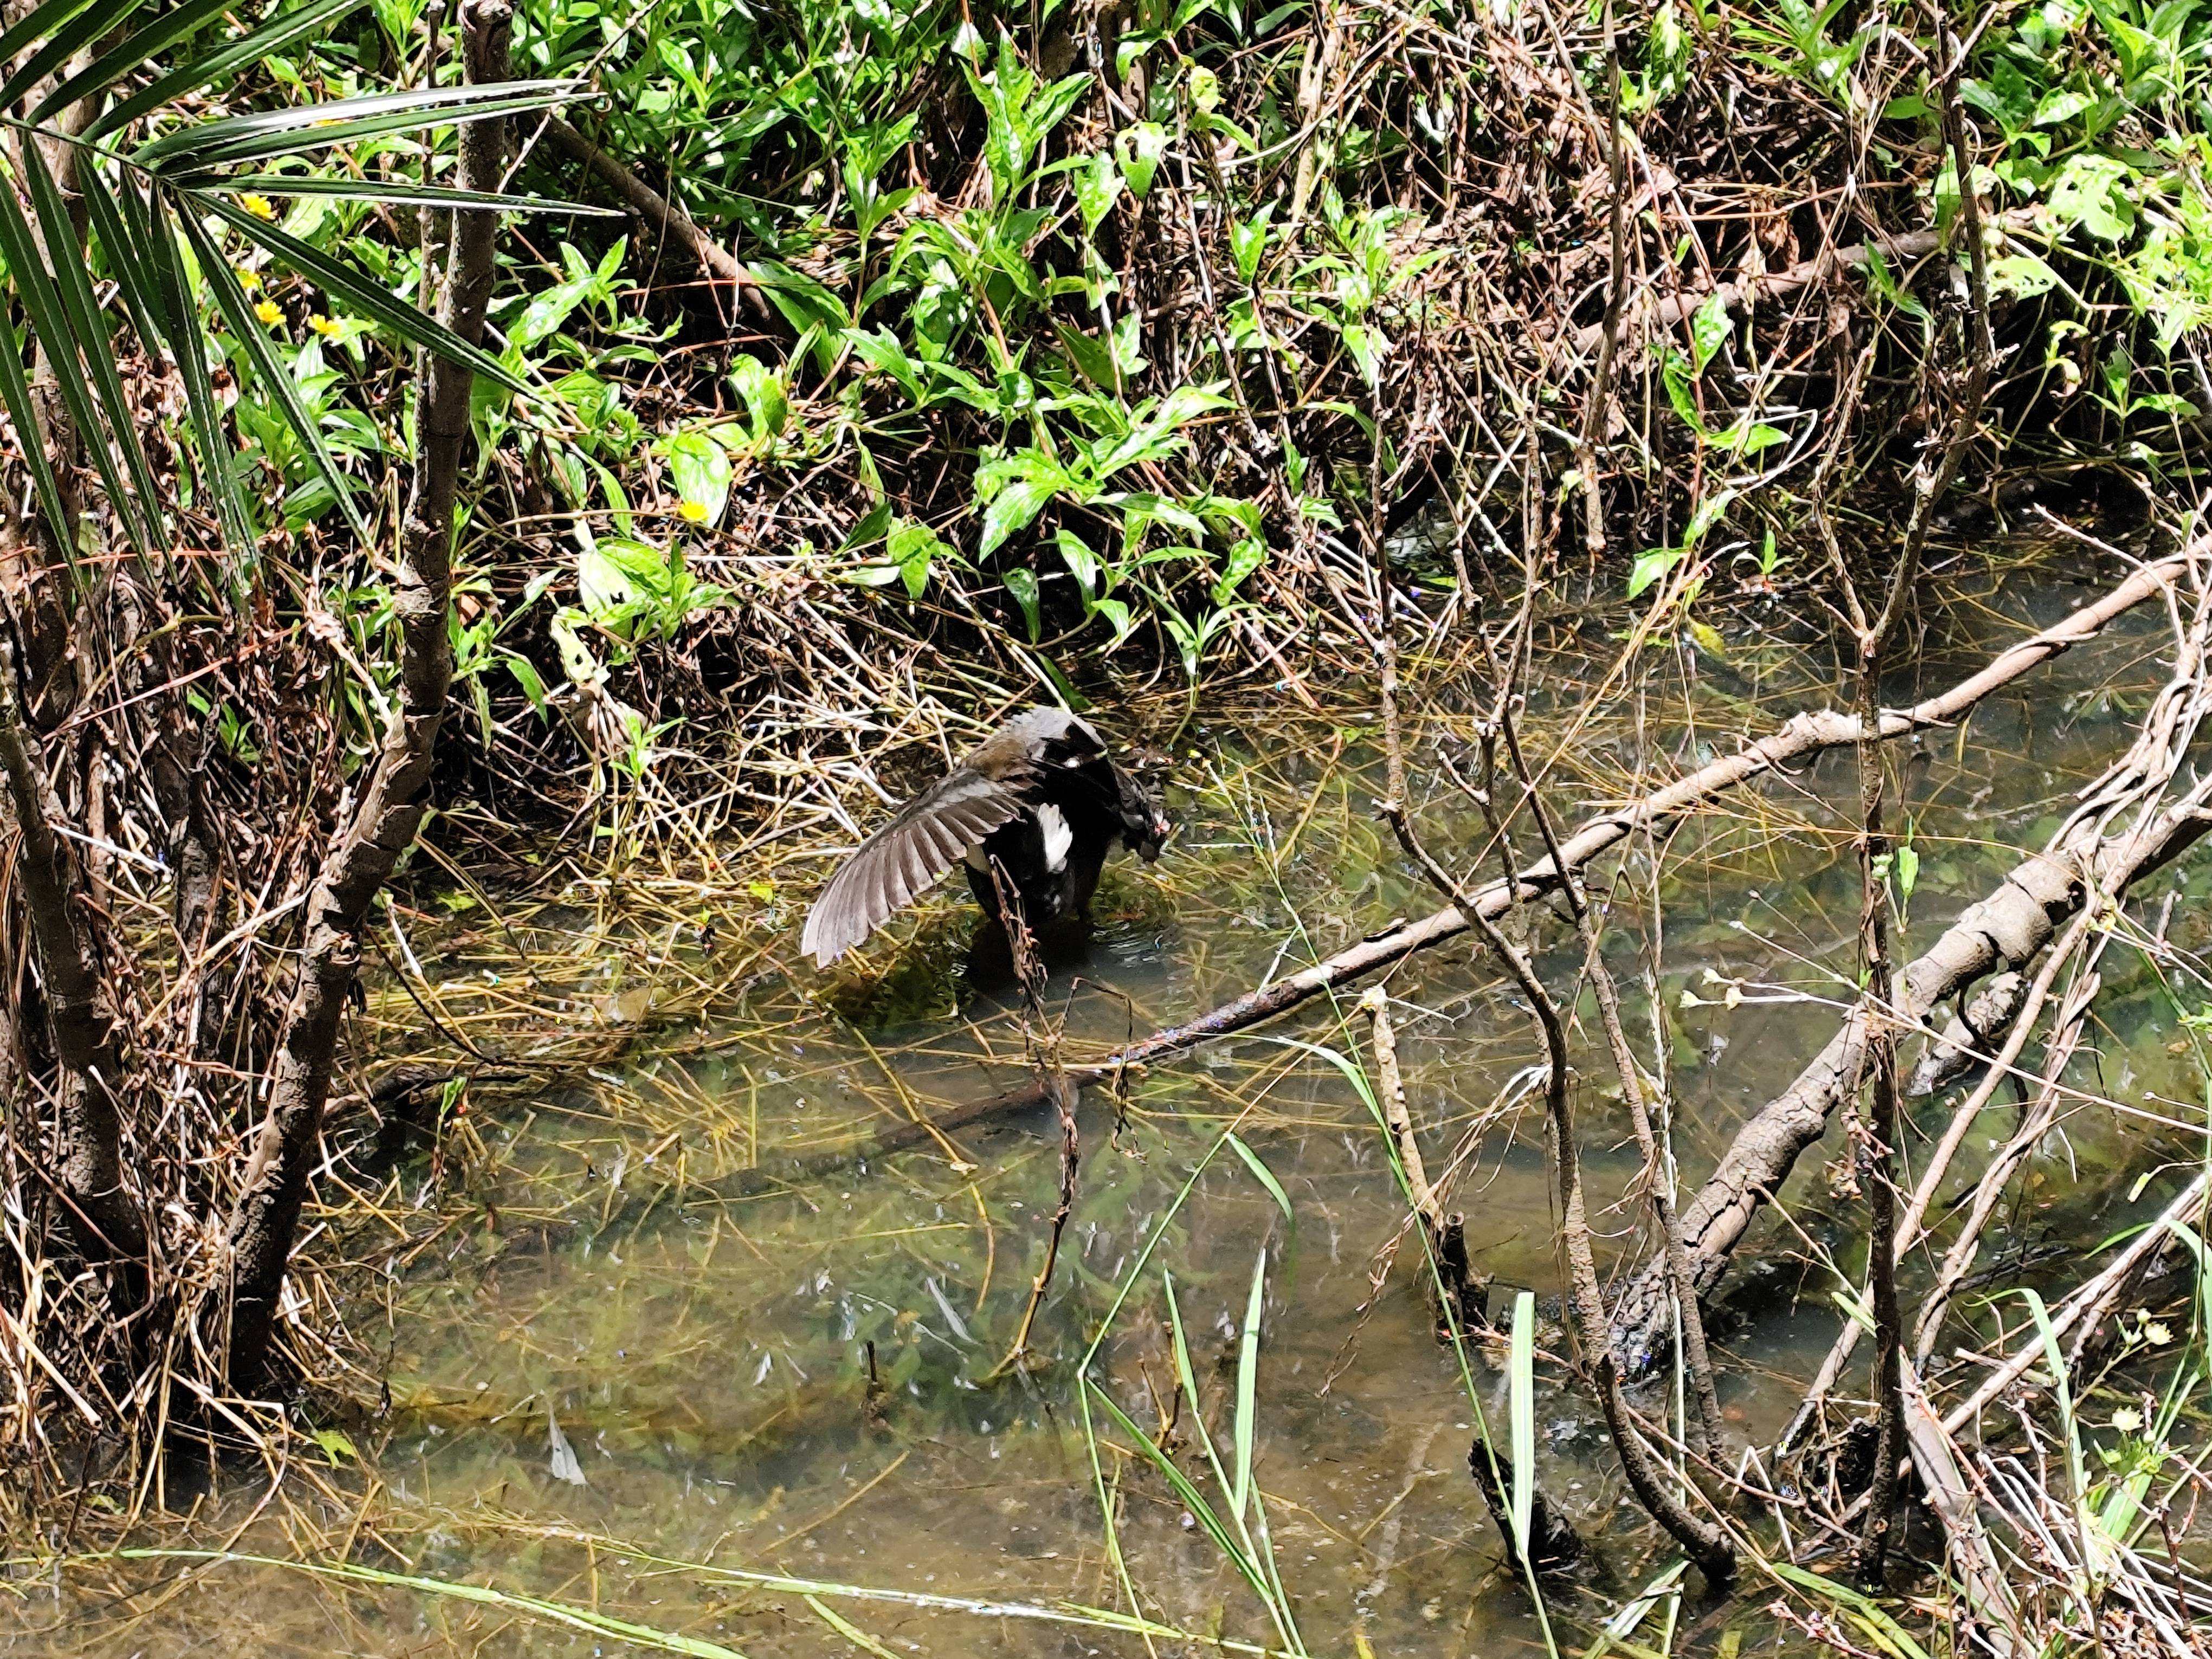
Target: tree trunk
<point x="103" y="1217"/>
<point x="267" y="1215"/>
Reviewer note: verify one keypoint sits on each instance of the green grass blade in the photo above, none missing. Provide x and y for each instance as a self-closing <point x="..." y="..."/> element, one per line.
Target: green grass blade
<point x="1872" y="1617"/>
<point x="2054" y="1359"/>
<point x="1188" y="1377"/>
<point x="1189" y="1495"/>
<point x="222" y="281"/>
<point x="1264" y="1175"/>
<point x="564" y="1613"/>
<point x="852" y="1632"/>
<point x="1247" y="1383"/>
<point x="1521" y="1381"/>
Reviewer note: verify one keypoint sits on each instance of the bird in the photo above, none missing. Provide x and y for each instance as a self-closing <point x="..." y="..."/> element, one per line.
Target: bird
<point x="1041" y="799"/>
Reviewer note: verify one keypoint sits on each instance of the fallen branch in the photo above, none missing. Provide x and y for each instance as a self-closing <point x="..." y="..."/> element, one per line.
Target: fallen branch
<point x="667" y="223"/>
<point x="2005" y="930"/>
<point x="1803" y="736"/>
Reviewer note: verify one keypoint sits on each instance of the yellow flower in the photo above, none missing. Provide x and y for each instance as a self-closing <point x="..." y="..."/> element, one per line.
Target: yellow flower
<point x="269" y="312"/>
<point x="2127" y="1419"/>
<point x="322" y="325"/>
<point x="258" y="205"/>
<point x="248" y="280"/>
<point x="695" y="511"/>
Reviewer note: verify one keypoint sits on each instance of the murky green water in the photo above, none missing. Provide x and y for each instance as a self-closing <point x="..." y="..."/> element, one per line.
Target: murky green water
<point x="706" y="1359"/>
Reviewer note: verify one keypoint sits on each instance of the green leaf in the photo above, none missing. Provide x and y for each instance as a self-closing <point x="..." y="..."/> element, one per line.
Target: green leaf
<point x="1140" y="146"/>
<point x="268" y="133"/>
<point x="253" y="47"/>
<point x="700" y="469"/>
<point x="1023" y="585"/>
<point x="1248" y="1378"/>
<point x="400" y="192"/>
<point x="1650" y="565"/>
<point x="882" y="352"/>
<point x="60" y="43"/>
<point x="766" y="401"/>
<point x="42" y="307"/>
<point x="1709" y="332"/>
<point x="1186" y="1494"/>
<point x="1097" y="187"/>
<point x="1520" y="1405"/>
<point x="150" y="218"/>
<point x="141" y="512"/>
<point x="2090" y="191"/>
<point x="913" y="547"/>
<point x="1248" y="241"/>
<point x="1247" y="557"/>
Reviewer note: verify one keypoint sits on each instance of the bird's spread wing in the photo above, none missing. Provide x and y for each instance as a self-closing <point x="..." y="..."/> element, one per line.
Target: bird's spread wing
<point x="931" y="833"/>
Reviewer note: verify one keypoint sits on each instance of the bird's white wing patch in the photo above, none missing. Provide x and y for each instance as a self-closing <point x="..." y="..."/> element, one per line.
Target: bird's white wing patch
<point x="1058" y="837"/>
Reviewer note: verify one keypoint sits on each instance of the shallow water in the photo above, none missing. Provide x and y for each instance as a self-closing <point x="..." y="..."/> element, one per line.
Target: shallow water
<point x="705" y="1358"/>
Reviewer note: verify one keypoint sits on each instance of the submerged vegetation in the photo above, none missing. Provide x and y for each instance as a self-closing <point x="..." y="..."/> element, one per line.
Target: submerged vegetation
<point x="494" y="490"/>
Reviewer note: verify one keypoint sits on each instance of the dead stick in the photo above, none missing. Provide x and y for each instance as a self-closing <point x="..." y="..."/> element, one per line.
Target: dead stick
<point x="1391" y="1089"/>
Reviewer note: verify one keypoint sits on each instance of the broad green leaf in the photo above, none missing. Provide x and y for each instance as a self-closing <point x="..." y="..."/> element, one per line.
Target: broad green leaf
<point x="1248" y="241"/>
<point x="1709" y="332"/>
<point x="1247" y="557"/>
<point x="1140" y="146"/>
<point x="1097" y="186"/>
<point x="700" y="469"/>
<point x="1650" y="565"/>
<point x="765" y="400"/>
<point x="1023" y="585"/>
<point x="2090" y="191"/>
<point x="912" y="548"/>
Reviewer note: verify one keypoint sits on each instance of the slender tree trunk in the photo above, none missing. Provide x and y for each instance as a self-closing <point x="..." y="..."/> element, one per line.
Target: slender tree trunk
<point x="103" y="1217"/>
<point x="267" y="1215"/>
